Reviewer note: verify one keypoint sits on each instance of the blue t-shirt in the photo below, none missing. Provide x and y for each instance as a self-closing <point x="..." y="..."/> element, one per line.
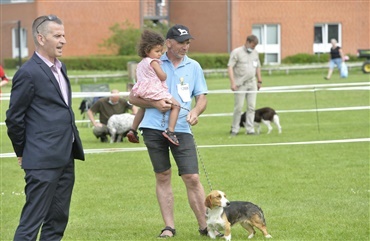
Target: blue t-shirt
<point x="188" y="72"/>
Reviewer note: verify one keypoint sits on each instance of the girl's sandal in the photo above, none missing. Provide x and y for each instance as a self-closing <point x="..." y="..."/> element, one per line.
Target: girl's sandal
<point x="132" y="136"/>
<point x="171" y="137"/>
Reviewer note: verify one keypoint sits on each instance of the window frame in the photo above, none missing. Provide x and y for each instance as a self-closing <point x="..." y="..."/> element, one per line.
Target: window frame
<point x="325" y="45"/>
<point x="15" y="47"/>
<point x="15" y="1"/>
<point x="263" y="46"/>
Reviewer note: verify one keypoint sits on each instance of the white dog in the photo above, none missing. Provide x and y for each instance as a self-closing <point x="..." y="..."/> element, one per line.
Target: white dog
<point x="118" y="125"/>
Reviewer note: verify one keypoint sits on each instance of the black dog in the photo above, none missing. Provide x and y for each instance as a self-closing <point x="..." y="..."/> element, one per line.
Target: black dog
<point x="265" y="115"/>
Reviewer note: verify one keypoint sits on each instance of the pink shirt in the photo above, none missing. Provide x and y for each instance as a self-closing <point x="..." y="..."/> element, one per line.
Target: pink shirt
<point x="148" y="85"/>
<point x="56" y="68"/>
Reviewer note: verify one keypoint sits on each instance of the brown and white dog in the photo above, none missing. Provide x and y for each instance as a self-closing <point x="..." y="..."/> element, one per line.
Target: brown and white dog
<point x="222" y="214"/>
<point x="265" y="115"/>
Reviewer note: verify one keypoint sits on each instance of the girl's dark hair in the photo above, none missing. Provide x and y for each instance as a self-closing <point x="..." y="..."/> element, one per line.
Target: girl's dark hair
<point x="149" y="39"/>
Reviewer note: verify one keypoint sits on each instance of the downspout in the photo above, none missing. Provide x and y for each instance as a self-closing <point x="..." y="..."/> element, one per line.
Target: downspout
<point x="228" y="26"/>
<point x="19" y="44"/>
<point x="141" y="14"/>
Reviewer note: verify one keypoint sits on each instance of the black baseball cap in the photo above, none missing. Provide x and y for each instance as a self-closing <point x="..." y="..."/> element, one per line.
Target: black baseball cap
<point x="179" y="32"/>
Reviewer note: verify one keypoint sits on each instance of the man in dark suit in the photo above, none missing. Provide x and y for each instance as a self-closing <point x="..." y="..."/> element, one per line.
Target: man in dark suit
<point x="41" y="127"/>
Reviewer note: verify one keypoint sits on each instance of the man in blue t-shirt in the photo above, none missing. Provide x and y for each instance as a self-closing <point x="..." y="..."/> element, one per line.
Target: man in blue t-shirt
<point x="185" y="80"/>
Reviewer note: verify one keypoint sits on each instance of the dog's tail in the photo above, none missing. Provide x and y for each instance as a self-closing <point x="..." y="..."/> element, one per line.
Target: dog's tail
<point x="262" y="217"/>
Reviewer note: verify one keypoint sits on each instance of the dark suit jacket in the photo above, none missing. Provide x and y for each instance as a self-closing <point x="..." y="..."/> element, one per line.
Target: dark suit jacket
<point x="40" y="124"/>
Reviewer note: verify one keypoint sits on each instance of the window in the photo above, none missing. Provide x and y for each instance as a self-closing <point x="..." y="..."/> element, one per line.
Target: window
<point x="271" y="58"/>
<point x="16" y="49"/>
<point x="323" y="33"/>
<point x="333" y="32"/>
<point x="318" y="35"/>
<point x="269" y="41"/>
<point x="272" y="34"/>
<point x="15" y="1"/>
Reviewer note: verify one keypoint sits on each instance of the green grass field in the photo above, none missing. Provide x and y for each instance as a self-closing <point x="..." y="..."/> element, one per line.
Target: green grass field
<point x="312" y="181"/>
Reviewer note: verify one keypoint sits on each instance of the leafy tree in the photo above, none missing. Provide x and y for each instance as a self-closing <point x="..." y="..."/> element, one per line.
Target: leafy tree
<point x="126" y="37"/>
<point x="156" y="26"/>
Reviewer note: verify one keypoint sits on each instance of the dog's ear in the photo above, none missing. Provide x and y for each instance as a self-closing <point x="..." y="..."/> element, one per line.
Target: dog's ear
<point x="208" y="201"/>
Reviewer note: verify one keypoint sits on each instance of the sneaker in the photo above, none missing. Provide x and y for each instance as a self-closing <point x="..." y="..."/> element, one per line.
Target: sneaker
<point x="233" y="133"/>
<point x="171" y="136"/>
<point x="132" y="136"/>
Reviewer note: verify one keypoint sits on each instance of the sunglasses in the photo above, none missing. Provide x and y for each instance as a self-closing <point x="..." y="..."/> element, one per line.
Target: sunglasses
<point x="48" y="18"/>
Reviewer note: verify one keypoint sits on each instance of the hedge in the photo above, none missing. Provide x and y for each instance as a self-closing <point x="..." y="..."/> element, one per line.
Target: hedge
<point x="313" y="58"/>
<point x="207" y="61"/>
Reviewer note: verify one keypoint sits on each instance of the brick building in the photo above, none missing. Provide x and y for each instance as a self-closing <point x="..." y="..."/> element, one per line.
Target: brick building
<point x="283" y="27"/>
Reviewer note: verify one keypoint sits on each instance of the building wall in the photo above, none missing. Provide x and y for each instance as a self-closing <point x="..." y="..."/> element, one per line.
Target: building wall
<point x="10" y="15"/>
<point x="87" y="22"/>
<point x="207" y="22"/>
<point x="297" y="20"/>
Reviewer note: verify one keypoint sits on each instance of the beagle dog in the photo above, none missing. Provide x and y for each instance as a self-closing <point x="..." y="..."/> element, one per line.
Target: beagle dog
<point x="222" y="214"/>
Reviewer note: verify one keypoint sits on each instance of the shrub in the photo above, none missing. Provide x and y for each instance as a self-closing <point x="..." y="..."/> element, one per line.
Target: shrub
<point x="210" y="61"/>
<point x="304" y="58"/>
<point x="99" y="63"/>
<point x="314" y="58"/>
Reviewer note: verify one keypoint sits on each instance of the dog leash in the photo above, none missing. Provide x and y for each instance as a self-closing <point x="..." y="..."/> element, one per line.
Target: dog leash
<point x="198" y="153"/>
<point x="201" y="161"/>
<point x="163" y="123"/>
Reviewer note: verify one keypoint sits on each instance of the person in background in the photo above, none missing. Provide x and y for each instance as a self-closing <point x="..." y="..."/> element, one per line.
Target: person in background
<point x="244" y="69"/>
<point x="185" y="81"/>
<point x="106" y="107"/>
<point x="336" y="58"/>
<point x="151" y="83"/>
<point x="45" y="139"/>
<point x="4" y="79"/>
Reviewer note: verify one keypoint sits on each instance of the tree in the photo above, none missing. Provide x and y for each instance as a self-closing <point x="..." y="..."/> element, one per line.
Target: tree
<point x="124" y="38"/>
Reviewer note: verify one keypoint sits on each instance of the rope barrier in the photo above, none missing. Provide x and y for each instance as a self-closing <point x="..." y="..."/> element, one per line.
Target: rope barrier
<point x="276" y="89"/>
<point x="137" y="149"/>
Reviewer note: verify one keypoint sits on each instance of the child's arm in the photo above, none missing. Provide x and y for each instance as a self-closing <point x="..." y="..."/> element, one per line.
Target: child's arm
<point x="158" y="70"/>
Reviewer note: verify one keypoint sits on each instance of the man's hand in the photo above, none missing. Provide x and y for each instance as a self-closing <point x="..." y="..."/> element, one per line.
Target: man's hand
<point x="163" y="105"/>
<point x="201" y="103"/>
<point x="192" y="118"/>
<point x="19" y="160"/>
<point x="233" y="87"/>
<point x="259" y="84"/>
